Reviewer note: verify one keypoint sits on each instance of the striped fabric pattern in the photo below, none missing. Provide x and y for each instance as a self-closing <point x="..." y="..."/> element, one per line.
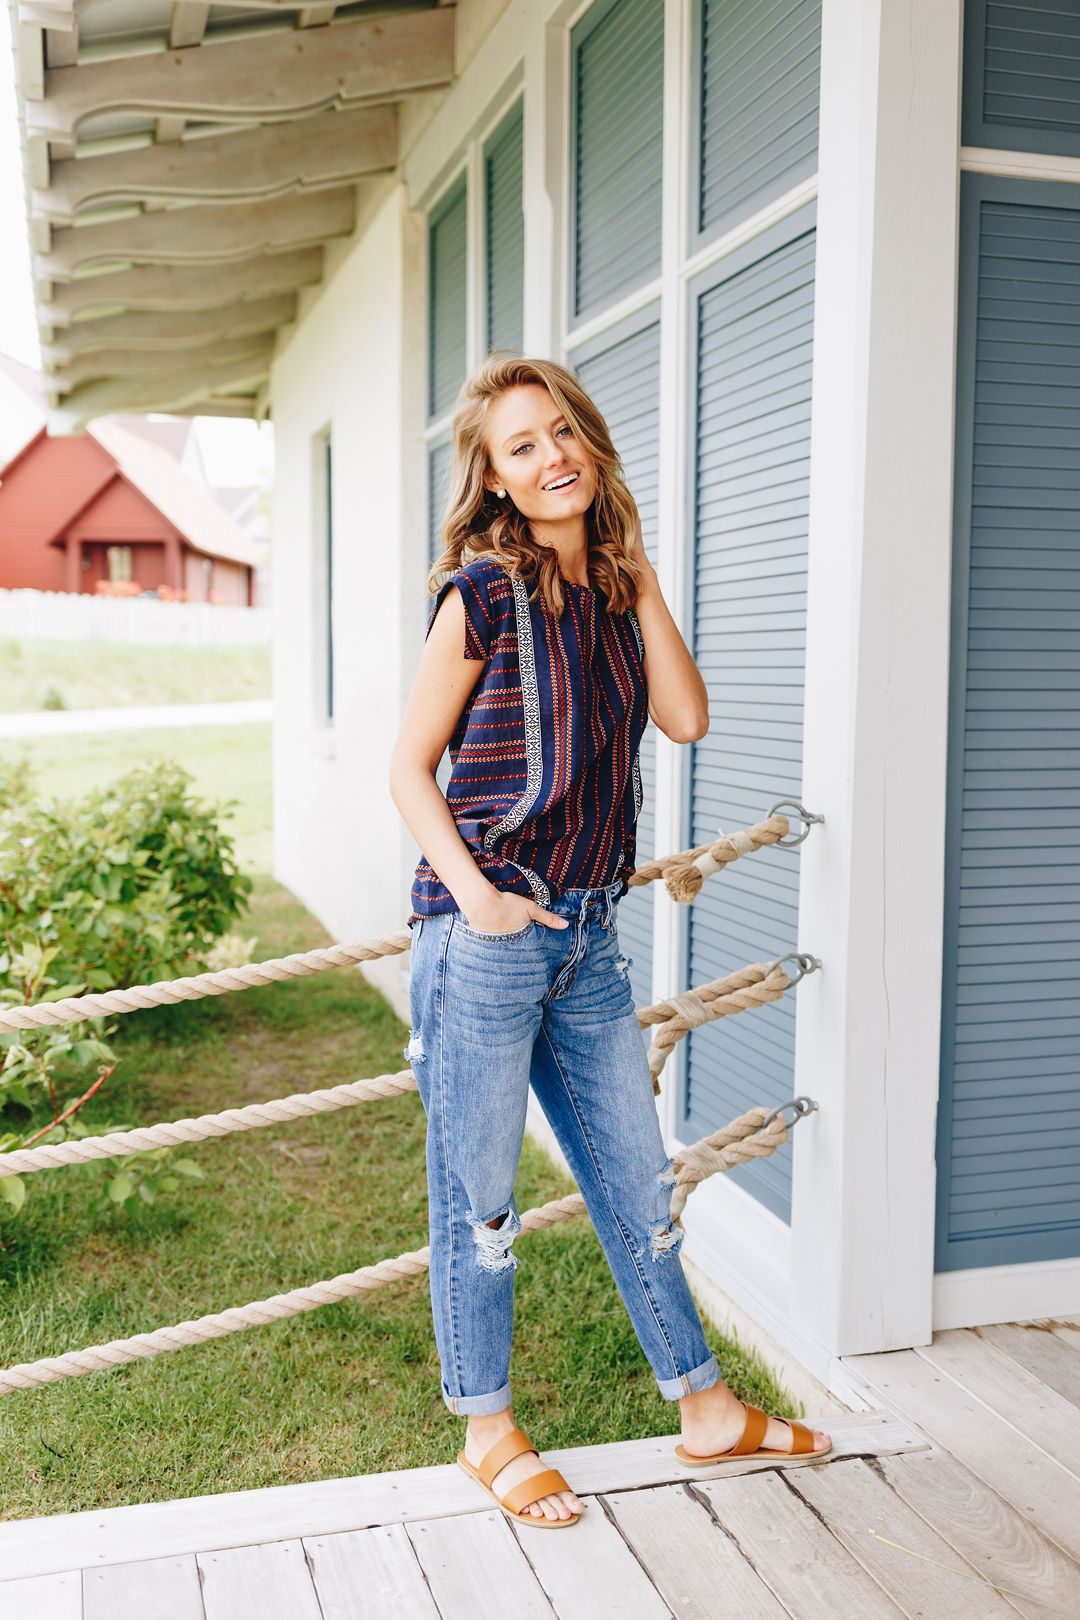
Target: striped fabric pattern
<point x="545" y="787"/>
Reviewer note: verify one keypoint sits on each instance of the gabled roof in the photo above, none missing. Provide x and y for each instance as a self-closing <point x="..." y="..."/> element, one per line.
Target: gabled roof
<point x="191" y="509"/>
<point x="206" y="182"/>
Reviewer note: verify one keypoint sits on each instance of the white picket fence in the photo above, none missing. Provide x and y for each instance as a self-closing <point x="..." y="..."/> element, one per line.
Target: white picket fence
<point x="36" y="615"/>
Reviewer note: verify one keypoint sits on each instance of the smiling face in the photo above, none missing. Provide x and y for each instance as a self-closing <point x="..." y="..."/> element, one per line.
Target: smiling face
<point x="536" y="457"/>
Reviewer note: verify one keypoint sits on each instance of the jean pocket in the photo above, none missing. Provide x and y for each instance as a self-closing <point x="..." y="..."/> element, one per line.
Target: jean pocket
<point x="493" y="939"/>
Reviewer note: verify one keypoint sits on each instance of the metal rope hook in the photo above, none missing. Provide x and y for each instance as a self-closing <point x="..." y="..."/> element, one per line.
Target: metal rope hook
<point x="808" y="817"/>
<point x="802" y="1107"/>
<point x="807" y="964"/>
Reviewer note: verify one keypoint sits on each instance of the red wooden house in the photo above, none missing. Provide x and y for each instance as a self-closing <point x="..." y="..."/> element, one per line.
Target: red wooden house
<point x="110" y="506"/>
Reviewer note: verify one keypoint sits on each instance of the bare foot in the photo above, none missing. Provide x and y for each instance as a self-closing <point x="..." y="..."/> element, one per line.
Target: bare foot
<point x="713" y="1420"/>
<point x="482" y="1434"/>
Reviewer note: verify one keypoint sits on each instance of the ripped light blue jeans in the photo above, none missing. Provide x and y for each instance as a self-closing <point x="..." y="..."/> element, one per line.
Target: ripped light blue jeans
<point x="490" y="1014"/>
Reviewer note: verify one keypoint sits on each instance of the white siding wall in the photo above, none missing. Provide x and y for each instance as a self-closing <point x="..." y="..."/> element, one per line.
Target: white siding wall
<point x="339" y="842"/>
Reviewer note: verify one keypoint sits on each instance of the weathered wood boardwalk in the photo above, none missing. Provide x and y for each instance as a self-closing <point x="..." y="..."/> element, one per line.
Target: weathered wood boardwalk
<point x="956" y="1494"/>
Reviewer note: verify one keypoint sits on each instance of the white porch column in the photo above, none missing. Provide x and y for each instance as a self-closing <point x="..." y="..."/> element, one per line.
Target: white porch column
<point x="877" y="672"/>
<point x="543" y="170"/>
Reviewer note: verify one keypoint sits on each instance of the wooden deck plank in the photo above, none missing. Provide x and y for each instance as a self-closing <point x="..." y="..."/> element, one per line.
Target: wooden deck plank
<point x="476" y="1570"/>
<point x="855" y="1502"/>
<point x="45" y="1597"/>
<point x="995" y="1451"/>
<point x="63" y="1541"/>
<point x="152" y="1589"/>
<point x="1046" y="1418"/>
<point x="589" y="1572"/>
<point x="988" y="1532"/>
<point x="809" y="1571"/>
<point x="253" y="1583"/>
<point x="1053" y="1359"/>
<point x="369" y="1572"/>
<point x="689" y="1558"/>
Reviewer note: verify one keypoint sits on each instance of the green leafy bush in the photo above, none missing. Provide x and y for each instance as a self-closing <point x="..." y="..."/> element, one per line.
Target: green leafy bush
<point x="133" y="882"/>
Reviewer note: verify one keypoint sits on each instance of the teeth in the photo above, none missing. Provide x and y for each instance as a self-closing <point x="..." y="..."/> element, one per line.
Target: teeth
<point x="561" y="481"/>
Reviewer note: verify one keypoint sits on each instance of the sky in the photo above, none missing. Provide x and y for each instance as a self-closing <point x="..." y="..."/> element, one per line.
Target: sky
<point x="234" y="452"/>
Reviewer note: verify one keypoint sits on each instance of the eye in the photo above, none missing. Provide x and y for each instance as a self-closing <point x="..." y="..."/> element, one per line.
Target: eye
<point x="566" y="428"/>
<point x="518" y="447"/>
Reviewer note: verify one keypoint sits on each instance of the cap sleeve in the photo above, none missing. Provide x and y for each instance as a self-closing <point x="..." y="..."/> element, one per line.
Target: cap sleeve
<point x="479" y="617"/>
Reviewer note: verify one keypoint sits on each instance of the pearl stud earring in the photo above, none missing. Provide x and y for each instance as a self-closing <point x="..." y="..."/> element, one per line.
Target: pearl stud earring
<point x="501" y="493"/>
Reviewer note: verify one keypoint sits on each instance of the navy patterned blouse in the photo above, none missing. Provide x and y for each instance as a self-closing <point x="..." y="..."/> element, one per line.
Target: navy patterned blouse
<point x="545" y="785"/>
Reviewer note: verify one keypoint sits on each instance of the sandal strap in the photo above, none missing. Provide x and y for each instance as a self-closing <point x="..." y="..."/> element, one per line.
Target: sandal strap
<point x="802" y="1438"/>
<point x="753" y="1430"/>
<point x="503" y="1451"/>
<point x="544" y="1483"/>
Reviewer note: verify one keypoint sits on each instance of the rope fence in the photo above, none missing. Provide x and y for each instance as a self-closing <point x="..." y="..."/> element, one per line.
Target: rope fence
<point x="748" y="1137"/>
<point x="755" y="1134"/>
<point x="679" y="872"/>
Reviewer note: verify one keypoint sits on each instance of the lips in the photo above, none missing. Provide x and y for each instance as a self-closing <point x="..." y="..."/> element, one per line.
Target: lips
<point x="573" y="478"/>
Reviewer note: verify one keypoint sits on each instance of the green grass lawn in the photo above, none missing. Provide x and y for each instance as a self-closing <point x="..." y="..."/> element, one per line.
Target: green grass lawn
<point x="109" y="674"/>
<point x="348" y="1389"/>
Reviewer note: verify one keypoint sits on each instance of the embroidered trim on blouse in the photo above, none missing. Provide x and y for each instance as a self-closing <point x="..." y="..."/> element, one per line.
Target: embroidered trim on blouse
<point x="534" y="747"/>
<point x="639" y="794"/>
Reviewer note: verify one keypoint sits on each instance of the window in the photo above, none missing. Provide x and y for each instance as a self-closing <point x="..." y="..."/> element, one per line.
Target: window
<point x="504" y="236"/>
<point x="757" y="72"/>
<point x="447" y="288"/>
<point x="616" y="159"/>
<point x="118" y="560"/>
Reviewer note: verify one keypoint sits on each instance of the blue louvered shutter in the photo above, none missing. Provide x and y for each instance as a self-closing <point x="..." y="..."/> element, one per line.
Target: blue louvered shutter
<point x="1009" y="1116"/>
<point x="446" y="299"/>
<point x="621" y="372"/>
<point x="751" y="349"/>
<point x="504" y="232"/>
<point x="757" y="72"/>
<point x="1022" y="75"/>
<point x="438" y="490"/>
<point x="617" y="85"/>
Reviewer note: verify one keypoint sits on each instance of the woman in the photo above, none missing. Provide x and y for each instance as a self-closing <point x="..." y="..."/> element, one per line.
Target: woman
<point x="547" y="650"/>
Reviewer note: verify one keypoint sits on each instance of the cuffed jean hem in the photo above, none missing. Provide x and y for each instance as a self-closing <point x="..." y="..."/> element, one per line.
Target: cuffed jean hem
<point x="673" y="1389"/>
<point x="478" y="1405"/>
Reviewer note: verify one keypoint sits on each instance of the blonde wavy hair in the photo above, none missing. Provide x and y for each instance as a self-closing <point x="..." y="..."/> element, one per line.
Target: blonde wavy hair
<point x="478" y="524"/>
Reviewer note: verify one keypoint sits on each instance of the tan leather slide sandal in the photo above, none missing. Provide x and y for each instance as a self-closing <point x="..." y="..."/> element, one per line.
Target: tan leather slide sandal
<point x="747" y="1445"/>
<point x="543" y="1483"/>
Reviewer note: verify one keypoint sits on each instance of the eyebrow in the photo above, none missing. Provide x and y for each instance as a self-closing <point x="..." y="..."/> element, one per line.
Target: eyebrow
<point x="523" y="433"/>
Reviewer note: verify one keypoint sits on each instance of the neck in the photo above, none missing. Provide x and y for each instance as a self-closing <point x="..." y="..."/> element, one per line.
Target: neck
<point x="570" y="541"/>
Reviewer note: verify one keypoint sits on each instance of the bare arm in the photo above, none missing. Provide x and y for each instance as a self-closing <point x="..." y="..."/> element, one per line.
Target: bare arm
<point x="440" y="691"/>
<point x="678" y="696"/>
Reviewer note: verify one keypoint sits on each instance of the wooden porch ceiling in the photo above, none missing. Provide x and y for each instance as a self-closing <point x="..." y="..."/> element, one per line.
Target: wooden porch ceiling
<point x="186" y="165"/>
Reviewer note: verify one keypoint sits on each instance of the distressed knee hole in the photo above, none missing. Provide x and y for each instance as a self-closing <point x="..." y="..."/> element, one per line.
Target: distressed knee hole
<point x="666" y="1178"/>
<point x="414" y="1052"/>
<point x="493" y="1239"/>
<point x="665" y="1238"/>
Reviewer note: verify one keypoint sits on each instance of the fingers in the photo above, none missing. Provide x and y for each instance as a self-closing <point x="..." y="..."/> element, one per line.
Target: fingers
<point x="550" y="919"/>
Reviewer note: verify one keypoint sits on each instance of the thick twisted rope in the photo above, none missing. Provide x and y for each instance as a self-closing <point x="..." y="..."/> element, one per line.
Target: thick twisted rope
<point x="752" y="986"/>
<point x="168" y="992"/>
<point x="746" y="1138"/>
<point x="684" y="873"/>
<point x="741" y="1140"/>
<point x="748" y="987"/>
<point x="116" y="1144"/>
